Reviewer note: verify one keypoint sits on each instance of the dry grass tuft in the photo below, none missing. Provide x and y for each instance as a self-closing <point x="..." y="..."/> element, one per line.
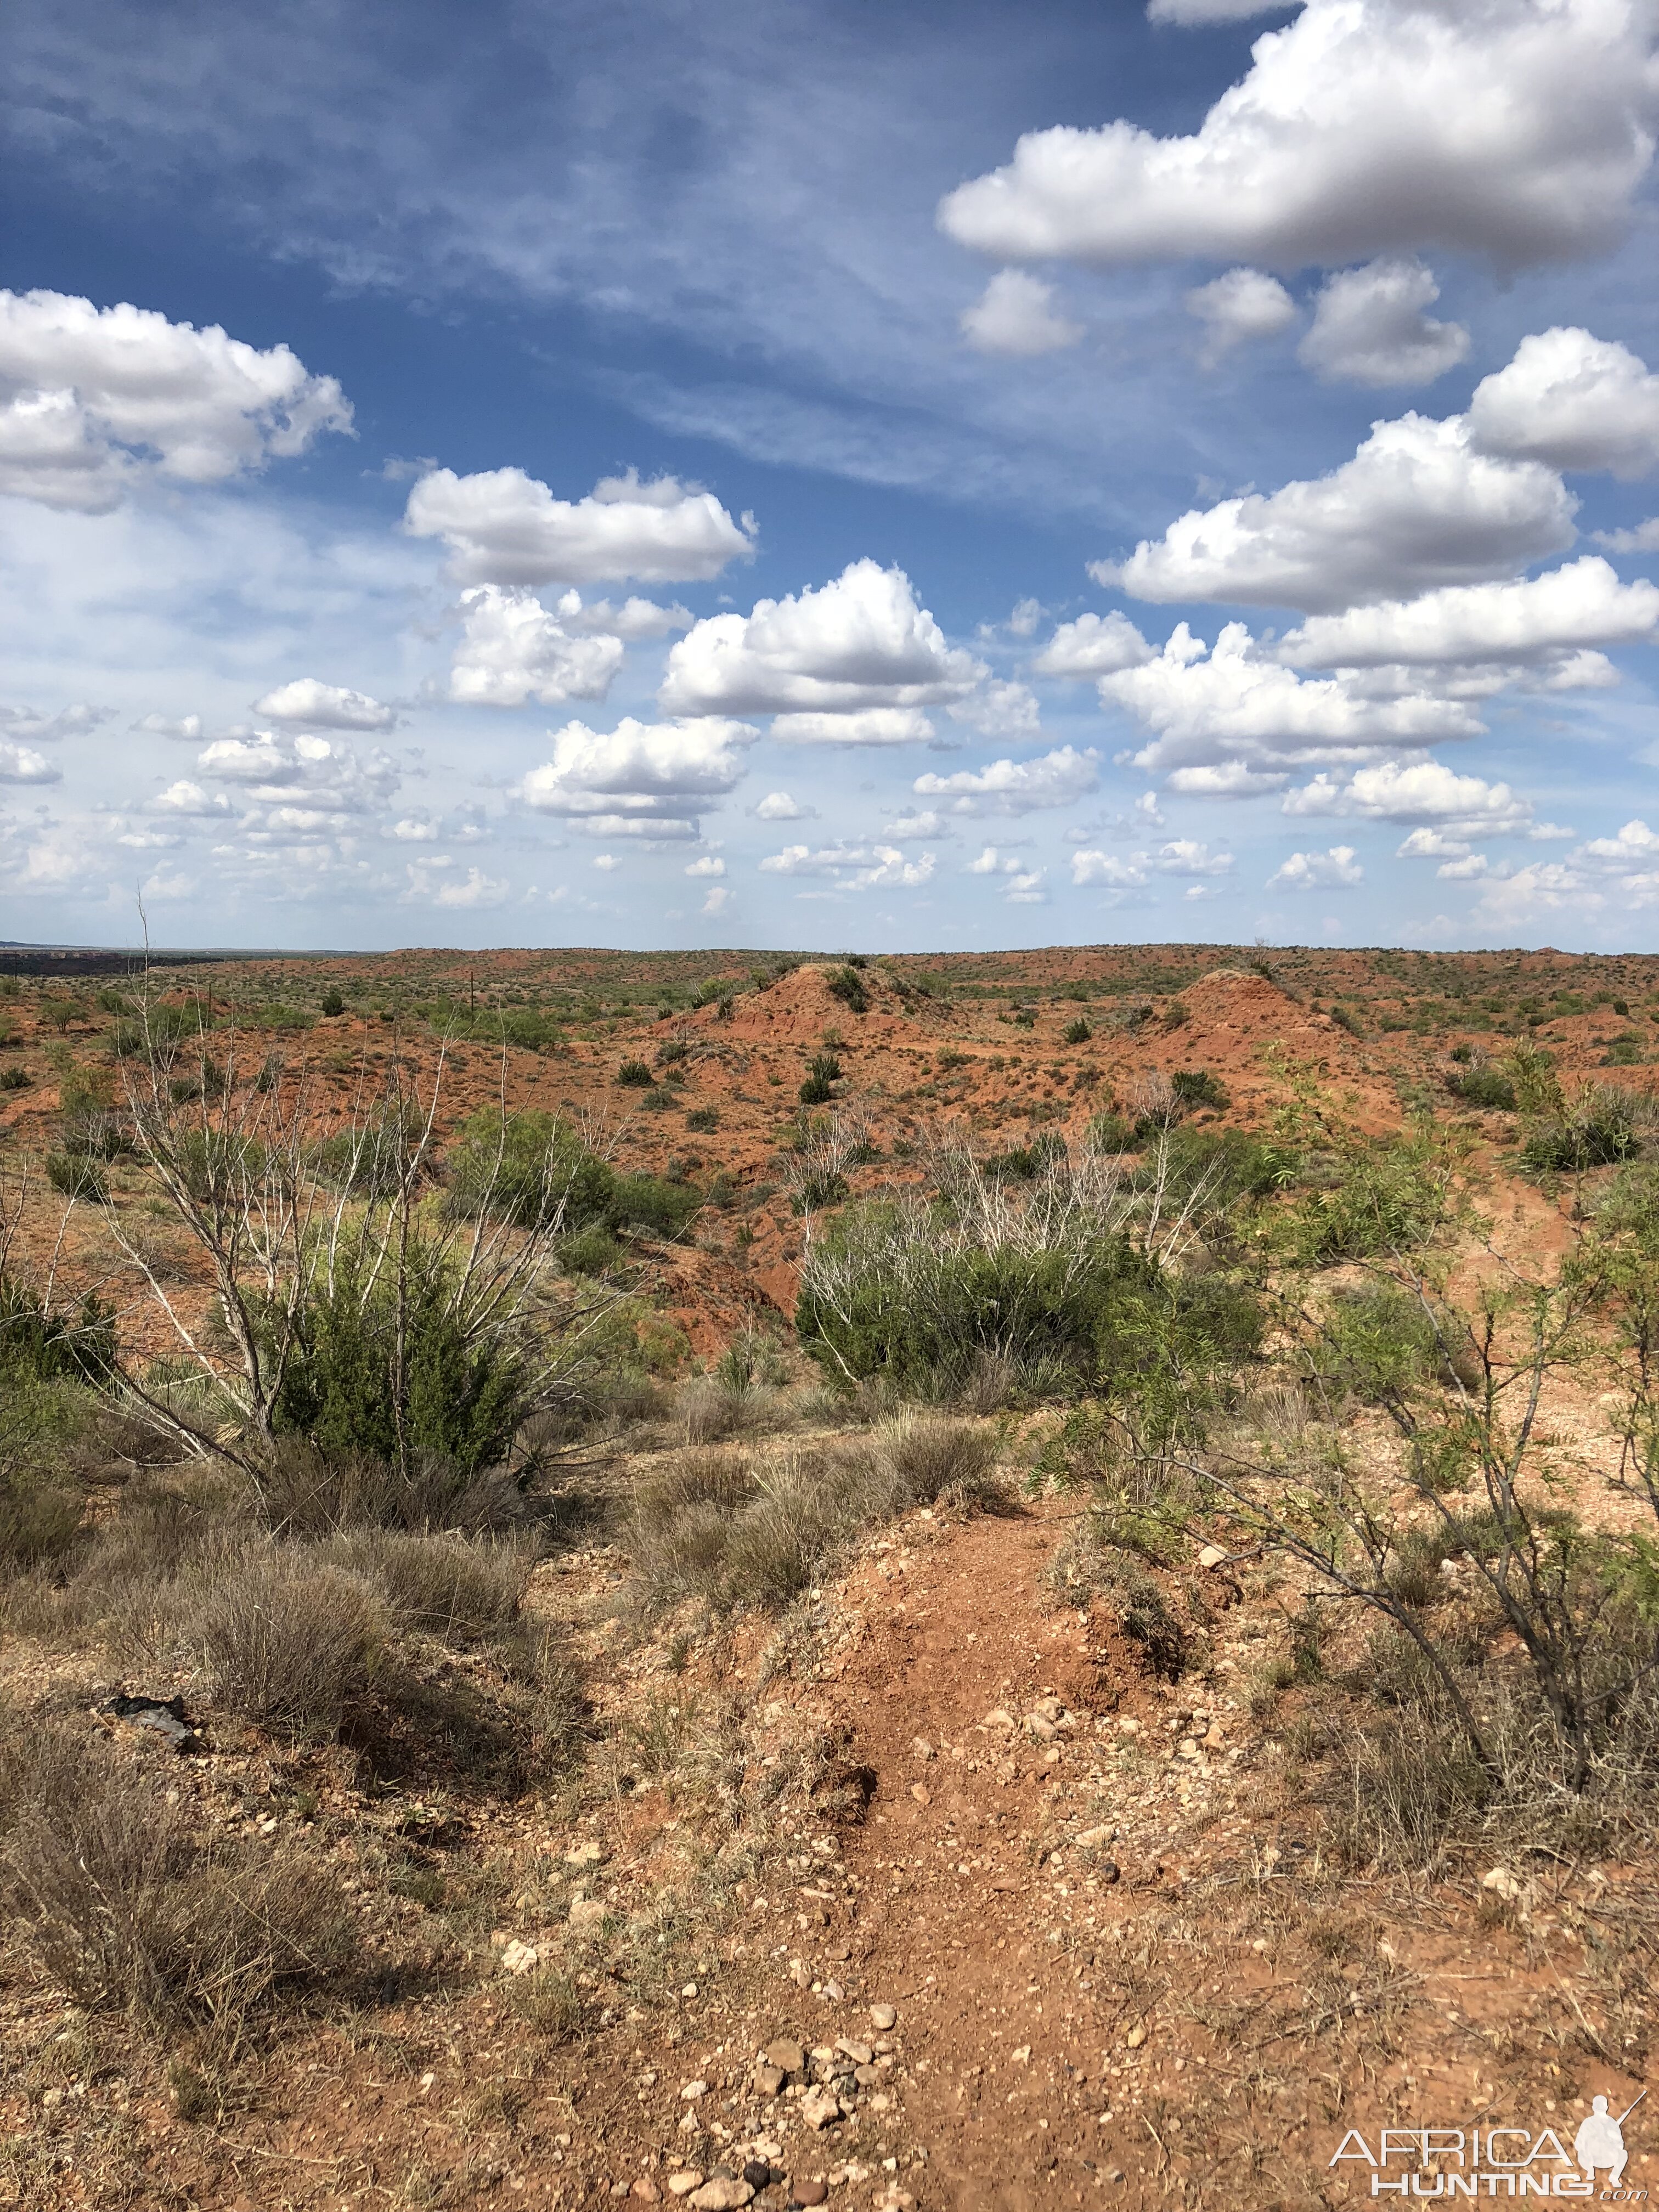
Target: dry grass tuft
<point x="730" y="1530"/>
<point x="127" y="1908"/>
<point x="289" y="1644"/>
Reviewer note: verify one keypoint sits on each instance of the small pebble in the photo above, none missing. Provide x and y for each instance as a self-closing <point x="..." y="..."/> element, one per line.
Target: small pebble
<point x="883" y="2016"/>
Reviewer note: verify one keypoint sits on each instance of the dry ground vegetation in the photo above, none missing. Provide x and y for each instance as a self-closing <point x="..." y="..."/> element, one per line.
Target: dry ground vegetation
<point x="998" y="1582"/>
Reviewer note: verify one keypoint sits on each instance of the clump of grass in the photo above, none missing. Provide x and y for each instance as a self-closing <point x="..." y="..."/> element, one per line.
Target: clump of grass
<point x="443" y="1586"/>
<point x="304" y="1491"/>
<point x="731" y="1531"/>
<point x="548" y="2002"/>
<point x="290" y="1643"/>
<point x="128" y="1908"/>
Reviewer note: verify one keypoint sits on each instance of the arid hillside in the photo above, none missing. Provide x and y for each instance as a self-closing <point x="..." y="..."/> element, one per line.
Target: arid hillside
<point x="989" y="1582"/>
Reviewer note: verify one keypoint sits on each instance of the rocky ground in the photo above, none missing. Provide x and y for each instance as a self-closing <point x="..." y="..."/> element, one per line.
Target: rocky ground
<point x="930" y="1894"/>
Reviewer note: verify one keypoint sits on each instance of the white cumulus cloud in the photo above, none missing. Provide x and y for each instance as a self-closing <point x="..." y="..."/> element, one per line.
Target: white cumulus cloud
<point x="325" y="706"/>
<point x="1011" y="786"/>
<point x="1517" y="131"/>
<point x="1419" y="506"/>
<point x="1573" y="401"/>
<point x="1016" y="317"/>
<point x="858" y="643"/>
<point x="641" y="779"/>
<point x="1233" y="709"/>
<point x="186" y="729"/>
<point x="513" y="649"/>
<point x="1372" y="325"/>
<point x="1238" y="307"/>
<point x="779" y="807"/>
<point x="1581" y="605"/>
<point x="1112" y="869"/>
<point x="23" y="765"/>
<point x="1424" y="791"/>
<point x="91" y="400"/>
<point x="275" y="768"/>
<point x="27" y="725"/>
<point x="860" y="867"/>
<point x="1336" y="870"/>
<point x="1093" y="645"/>
<point x="503" y="526"/>
<point x="865" y="726"/>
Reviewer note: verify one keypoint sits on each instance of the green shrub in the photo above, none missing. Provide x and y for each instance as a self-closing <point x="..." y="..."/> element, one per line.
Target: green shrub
<point x="1392" y="1195"/>
<point x="1597" y="1129"/>
<point x="822" y="1072"/>
<point x="526" y="1168"/>
<point x="1076" y="1032"/>
<point x="1025" y="1163"/>
<point x="592" y="1251"/>
<point x="458" y="1398"/>
<point x="636" y="1075"/>
<point x="77" y="1175"/>
<point x="1483" y="1086"/>
<point x="1222" y="1165"/>
<point x="158" y="1029"/>
<point x="531" y="1028"/>
<point x="332" y="1003"/>
<point x="14" y="1079"/>
<point x="705" y="1119"/>
<point x="66" y="1343"/>
<point x="846" y="984"/>
<point x="1196" y="1086"/>
<point x="1377" y="1342"/>
<point x="882" y="1296"/>
<point x="1111" y="1132"/>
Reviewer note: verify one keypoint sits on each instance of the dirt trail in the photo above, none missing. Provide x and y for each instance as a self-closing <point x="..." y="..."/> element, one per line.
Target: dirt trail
<point x="985" y="1712"/>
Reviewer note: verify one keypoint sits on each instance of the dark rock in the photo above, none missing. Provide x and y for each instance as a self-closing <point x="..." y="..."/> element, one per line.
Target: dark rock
<point x="164" y="1716"/>
<point x="1107" y="1870"/>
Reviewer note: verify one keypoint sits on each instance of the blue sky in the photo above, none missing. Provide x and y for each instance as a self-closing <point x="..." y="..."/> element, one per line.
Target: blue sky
<point x="830" y="476"/>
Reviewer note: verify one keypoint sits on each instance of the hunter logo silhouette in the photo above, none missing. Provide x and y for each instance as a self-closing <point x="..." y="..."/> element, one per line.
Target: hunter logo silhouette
<point x="1600" y="2140"/>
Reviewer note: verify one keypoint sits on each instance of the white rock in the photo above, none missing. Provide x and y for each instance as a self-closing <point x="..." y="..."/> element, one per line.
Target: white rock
<point x="519" y="1958"/>
<point x="818" y="2107"/>
<point x="721" y="2194"/>
<point x="693" y="2090"/>
<point x="883" y="2016"/>
<point x="1212" y="1556"/>
<point x="682" y="2185"/>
